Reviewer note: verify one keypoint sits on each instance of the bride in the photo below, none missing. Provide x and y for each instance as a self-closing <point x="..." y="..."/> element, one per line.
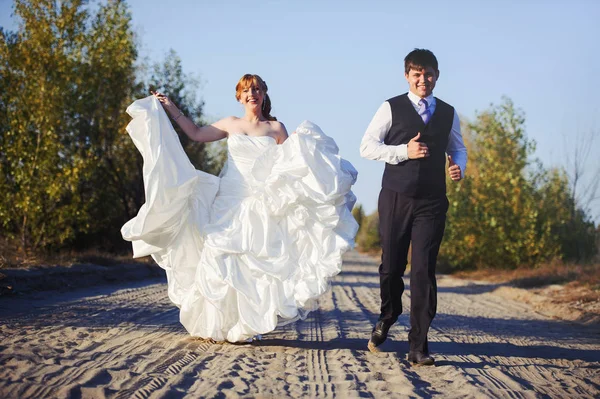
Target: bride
<point x="253" y="248"/>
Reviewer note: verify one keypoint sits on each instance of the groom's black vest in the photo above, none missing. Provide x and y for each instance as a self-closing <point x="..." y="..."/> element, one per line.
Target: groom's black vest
<point x="423" y="177"/>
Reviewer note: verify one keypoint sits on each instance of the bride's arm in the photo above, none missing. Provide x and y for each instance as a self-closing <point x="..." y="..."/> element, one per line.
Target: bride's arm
<point x="202" y="134"/>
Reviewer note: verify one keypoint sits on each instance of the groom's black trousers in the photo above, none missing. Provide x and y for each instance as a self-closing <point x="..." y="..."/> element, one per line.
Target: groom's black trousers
<point x="404" y="220"/>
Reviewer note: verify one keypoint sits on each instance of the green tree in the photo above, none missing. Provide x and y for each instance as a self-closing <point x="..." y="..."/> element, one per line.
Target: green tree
<point x="368" y="239"/>
<point x="498" y="218"/>
<point x="69" y="173"/>
<point x="359" y="215"/>
<point x="508" y="211"/>
<point x="181" y="88"/>
<point x="583" y="170"/>
<point x="41" y="205"/>
<point x="112" y="188"/>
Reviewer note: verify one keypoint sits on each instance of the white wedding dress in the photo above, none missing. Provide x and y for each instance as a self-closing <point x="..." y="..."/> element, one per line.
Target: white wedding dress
<point x="253" y="248"/>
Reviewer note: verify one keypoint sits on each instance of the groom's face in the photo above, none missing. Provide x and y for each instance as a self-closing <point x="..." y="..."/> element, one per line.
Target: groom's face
<point x="422" y="81"/>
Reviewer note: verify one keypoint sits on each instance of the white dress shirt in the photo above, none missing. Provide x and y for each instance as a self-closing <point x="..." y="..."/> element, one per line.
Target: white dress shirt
<point x="373" y="147"/>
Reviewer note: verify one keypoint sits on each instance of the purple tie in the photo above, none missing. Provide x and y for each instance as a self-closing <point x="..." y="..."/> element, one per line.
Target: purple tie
<point x="424" y="110"/>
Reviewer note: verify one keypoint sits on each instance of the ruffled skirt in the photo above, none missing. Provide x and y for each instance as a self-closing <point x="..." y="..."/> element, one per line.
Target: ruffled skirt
<point x="239" y="265"/>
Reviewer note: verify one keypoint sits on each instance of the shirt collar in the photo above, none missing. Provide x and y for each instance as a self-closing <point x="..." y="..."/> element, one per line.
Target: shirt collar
<point x="415" y="99"/>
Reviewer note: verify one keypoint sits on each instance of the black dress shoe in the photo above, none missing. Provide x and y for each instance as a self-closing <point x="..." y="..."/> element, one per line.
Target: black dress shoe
<point x="379" y="335"/>
<point x="421" y="359"/>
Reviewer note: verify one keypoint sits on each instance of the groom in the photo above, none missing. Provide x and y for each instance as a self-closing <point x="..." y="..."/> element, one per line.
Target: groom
<point x="412" y="133"/>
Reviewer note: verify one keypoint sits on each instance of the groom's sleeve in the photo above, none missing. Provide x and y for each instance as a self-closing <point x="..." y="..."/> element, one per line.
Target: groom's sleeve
<point x="372" y="145"/>
<point x="456" y="146"/>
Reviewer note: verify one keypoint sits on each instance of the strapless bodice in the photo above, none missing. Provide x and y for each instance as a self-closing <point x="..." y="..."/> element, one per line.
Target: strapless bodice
<point x="242" y="152"/>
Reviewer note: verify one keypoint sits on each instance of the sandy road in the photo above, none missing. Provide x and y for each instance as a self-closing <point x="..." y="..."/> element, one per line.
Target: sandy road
<point x="126" y="342"/>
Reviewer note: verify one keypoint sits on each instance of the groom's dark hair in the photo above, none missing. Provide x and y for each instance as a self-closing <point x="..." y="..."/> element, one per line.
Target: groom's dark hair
<point x="419" y="59"/>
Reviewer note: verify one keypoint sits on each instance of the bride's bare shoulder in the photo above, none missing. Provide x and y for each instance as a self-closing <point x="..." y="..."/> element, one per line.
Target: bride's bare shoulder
<point x="230" y="119"/>
<point x="227" y="124"/>
<point x="280" y="131"/>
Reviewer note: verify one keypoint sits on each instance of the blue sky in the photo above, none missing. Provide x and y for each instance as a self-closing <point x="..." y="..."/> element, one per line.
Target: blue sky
<point x="335" y="62"/>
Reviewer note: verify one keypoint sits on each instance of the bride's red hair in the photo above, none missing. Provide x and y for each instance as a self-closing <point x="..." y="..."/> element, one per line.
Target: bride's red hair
<point x="249" y="80"/>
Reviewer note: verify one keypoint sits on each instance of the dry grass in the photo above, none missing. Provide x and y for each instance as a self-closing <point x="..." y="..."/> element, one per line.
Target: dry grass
<point x="10" y="258"/>
<point x="581" y="283"/>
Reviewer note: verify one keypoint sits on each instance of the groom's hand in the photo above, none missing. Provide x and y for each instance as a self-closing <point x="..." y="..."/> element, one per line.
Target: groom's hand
<point x="417" y="149"/>
<point x="453" y="170"/>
